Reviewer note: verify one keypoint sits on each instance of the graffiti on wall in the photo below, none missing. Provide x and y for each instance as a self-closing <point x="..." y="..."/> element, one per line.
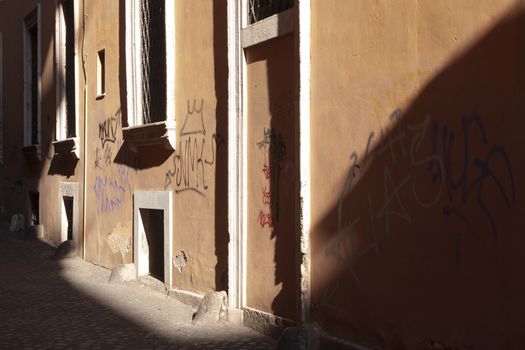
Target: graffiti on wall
<point x="107" y="135"/>
<point x="107" y="130"/>
<point x="195" y="155"/>
<point x="110" y="194"/>
<point x="111" y="191"/>
<point x="454" y="183"/>
<point x="274" y="148"/>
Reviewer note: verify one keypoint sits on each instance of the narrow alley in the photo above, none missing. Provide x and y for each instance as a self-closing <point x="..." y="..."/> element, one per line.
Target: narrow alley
<point x="69" y="304"/>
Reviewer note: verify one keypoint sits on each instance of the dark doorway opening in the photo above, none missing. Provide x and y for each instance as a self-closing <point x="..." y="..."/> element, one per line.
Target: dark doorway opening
<point x="34" y="201"/>
<point x="68" y="205"/>
<point x="153" y="221"/>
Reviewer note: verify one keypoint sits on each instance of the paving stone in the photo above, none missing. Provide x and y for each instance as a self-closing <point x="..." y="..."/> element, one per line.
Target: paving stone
<point x="69" y="304"/>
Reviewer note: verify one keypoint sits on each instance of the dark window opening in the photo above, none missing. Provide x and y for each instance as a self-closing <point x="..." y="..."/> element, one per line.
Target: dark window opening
<point x="33" y="82"/>
<point x="261" y="9"/>
<point x="68" y="10"/>
<point x="68" y="205"/>
<point x="153" y="220"/>
<point x="34" y="200"/>
<point x="153" y="35"/>
<point x="101" y="73"/>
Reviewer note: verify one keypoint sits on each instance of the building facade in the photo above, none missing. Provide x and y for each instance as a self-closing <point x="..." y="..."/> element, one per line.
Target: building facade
<point x="355" y="165"/>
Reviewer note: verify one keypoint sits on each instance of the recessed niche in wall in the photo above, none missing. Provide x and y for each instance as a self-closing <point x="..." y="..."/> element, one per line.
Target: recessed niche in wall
<point x="152" y="227"/>
<point x="69" y="212"/>
<point x="34" y="201"/>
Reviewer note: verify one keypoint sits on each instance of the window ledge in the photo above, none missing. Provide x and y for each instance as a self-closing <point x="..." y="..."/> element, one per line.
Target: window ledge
<point x="272" y="27"/>
<point x="160" y="133"/>
<point x="32" y="153"/>
<point x="67" y="147"/>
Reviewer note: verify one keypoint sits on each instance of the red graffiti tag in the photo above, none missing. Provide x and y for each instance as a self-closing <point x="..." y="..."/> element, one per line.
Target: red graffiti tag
<point x="265" y="219"/>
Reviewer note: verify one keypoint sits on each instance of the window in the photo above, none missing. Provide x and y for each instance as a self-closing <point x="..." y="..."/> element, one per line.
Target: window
<point x="153" y="54"/>
<point x="263" y="20"/>
<point x="150" y="68"/>
<point x="66" y="71"/>
<point x="261" y="9"/>
<point x="101" y="74"/>
<point x="1" y="106"/>
<point x="32" y="78"/>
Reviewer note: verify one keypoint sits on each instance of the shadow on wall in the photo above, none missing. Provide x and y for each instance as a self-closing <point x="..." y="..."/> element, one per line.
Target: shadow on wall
<point x="144" y="157"/>
<point x="424" y="248"/>
<point x="273" y="173"/>
<point x="221" y="165"/>
<point x="63" y="165"/>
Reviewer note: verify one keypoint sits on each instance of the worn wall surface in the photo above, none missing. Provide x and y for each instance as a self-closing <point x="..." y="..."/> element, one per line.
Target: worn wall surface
<point x="109" y="186"/>
<point x="194" y="170"/>
<point x="197" y="170"/>
<point x="272" y="176"/>
<point x="417" y="169"/>
<point x="19" y="175"/>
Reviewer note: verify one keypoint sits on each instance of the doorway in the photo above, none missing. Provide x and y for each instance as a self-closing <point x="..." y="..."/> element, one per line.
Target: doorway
<point x="68" y="210"/>
<point x="152" y="227"/>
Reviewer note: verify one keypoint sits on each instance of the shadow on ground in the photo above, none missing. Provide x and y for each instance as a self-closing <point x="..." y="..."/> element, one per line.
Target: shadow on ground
<point x="41" y="309"/>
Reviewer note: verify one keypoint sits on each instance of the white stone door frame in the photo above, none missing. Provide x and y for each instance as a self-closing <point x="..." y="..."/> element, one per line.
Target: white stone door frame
<point x="160" y="200"/>
<point x="240" y="36"/>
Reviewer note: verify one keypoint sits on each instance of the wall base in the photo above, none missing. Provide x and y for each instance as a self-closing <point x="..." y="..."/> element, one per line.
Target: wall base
<point x="186" y="297"/>
<point x="265" y="323"/>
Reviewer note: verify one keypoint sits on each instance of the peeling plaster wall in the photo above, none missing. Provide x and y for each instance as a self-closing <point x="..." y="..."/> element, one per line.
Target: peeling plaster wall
<point x="417" y="153"/>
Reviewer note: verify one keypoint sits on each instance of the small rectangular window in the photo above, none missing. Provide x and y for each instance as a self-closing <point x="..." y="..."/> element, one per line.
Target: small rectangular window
<point x="101" y="74"/>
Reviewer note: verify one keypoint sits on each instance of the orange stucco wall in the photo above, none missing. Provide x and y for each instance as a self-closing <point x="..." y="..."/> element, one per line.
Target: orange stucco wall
<point x="272" y="178"/>
<point x="197" y="177"/>
<point x="115" y="171"/>
<point x="417" y="168"/>
<point x="21" y="176"/>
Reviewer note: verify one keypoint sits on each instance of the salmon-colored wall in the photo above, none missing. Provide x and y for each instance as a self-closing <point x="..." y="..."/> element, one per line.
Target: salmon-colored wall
<point x="195" y="171"/>
<point x="114" y="172"/>
<point x="272" y="175"/>
<point x="109" y="187"/>
<point x="20" y="176"/>
<point x="417" y="168"/>
<point x="200" y="193"/>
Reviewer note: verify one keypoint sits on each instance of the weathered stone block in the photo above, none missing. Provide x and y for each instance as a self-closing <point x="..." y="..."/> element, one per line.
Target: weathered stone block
<point x="123" y="273"/>
<point x="213" y="308"/>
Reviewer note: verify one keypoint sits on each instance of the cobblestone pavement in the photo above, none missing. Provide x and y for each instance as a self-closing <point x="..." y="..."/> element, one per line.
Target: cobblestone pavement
<point x="69" y="304"/>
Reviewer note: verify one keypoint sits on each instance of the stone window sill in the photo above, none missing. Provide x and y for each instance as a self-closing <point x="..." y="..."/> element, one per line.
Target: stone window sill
<point x="67" y="147"/>
<point x="159" y="133"/>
